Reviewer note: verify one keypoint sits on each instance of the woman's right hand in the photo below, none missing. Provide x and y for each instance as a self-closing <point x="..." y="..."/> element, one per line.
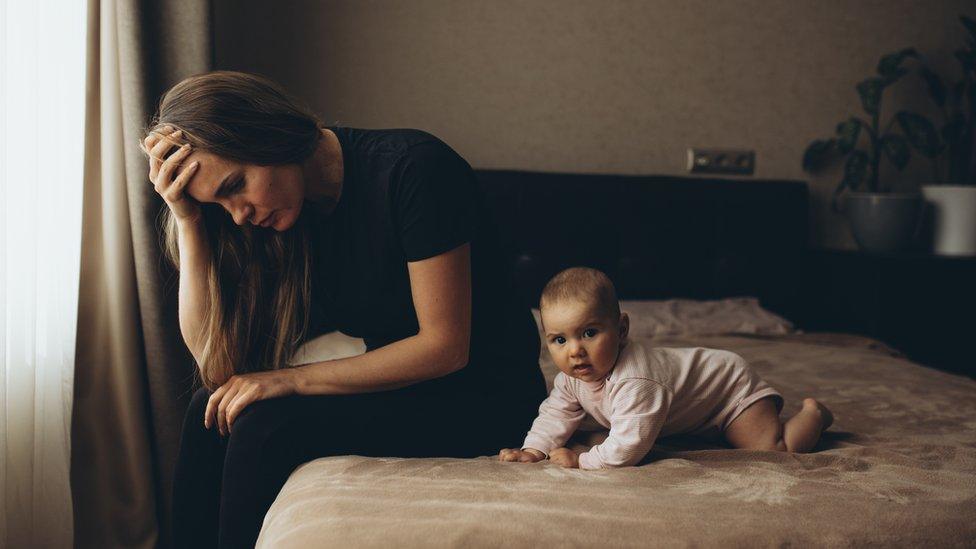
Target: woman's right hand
<point x="528" y="455"/>
<point x="162" y="170"/>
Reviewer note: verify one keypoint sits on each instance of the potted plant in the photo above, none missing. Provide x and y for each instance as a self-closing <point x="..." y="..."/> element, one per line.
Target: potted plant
<point x="881" y="220"/>
<point x="951" y="198"/>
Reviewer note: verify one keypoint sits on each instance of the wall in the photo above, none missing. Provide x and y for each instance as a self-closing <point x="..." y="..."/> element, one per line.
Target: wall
<point x="597" y="86"/>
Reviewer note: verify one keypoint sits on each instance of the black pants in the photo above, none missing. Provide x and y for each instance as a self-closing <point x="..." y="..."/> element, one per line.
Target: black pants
<point x="223" y="486"/>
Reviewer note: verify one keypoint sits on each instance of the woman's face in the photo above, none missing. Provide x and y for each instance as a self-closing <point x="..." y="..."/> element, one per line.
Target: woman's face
<point x="269" y="196"/>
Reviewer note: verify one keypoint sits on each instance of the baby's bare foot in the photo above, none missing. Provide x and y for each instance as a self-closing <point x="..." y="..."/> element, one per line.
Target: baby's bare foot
<point x="826" y="418"/>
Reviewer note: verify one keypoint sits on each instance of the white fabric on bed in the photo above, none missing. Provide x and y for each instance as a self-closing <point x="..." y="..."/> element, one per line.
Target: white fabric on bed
<point x="330" y="346"/>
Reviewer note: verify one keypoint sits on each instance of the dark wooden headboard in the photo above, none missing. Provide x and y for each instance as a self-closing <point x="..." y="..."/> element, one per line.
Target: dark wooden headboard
<point x="657" y="237"/>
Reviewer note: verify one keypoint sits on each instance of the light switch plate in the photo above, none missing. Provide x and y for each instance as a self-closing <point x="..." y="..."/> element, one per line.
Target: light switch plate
<point x="724" y="161"/>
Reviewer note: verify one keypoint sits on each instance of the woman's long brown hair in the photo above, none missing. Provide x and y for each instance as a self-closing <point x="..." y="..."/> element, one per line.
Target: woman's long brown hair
<point x="258" y="279"/>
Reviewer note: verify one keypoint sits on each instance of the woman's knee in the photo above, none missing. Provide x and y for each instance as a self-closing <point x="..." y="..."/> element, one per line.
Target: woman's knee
<point x="193" y="420"/>
<point x="295" y="424"/>
<point x="198" y="403"/>
<point x="195" y="438"/>
<point x="261" y="420"/>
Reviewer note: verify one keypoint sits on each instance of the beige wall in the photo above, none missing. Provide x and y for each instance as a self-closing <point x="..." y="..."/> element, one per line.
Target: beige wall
<point x="595" y="86"/>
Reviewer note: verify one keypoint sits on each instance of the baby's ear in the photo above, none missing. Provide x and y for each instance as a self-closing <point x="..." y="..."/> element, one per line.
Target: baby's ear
<point x="624" y="326"/>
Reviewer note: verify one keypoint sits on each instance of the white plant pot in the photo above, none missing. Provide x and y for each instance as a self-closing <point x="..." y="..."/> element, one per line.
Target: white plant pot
<point x="952" y="210"/>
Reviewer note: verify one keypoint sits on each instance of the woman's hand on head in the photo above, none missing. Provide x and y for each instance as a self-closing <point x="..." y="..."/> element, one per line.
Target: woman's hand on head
<point x="528" y="455"/>
<point x="162" y="171"/>
<point x="230" y="399"/>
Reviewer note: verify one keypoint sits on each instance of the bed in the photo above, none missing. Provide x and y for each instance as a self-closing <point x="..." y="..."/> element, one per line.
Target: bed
<point x="714" y="263"/>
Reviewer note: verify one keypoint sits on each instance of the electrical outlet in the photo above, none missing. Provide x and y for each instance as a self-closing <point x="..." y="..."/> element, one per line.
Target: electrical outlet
<point x="721" y="161"/>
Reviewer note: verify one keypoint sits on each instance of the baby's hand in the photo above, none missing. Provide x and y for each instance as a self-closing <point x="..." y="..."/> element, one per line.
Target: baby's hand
<point x="564" y="457"/>
<point x="528" y="455"/>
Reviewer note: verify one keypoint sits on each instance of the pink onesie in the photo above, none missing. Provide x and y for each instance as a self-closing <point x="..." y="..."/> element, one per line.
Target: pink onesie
<point x="650" y="392"/>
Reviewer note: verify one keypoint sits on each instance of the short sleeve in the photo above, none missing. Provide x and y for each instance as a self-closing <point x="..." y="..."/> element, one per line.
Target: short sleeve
<point x="434" y="201"/>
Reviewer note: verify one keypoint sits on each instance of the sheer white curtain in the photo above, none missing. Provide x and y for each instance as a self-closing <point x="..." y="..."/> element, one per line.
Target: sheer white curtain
<point x="42" y="118"/>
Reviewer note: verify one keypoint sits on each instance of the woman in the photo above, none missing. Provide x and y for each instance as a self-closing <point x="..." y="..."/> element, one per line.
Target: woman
<point x="283" y="229"/>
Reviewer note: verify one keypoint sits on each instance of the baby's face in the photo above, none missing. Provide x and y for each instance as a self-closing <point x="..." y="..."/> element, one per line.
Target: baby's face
<point x="583" y="343"/>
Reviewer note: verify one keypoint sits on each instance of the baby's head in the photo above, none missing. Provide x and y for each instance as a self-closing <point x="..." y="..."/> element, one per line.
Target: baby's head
<point x="584" y="329"/>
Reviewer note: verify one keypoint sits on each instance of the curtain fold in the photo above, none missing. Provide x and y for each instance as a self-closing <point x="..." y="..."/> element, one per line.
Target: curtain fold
<point x="133" y="372"/>
<point x="112" y="481"/>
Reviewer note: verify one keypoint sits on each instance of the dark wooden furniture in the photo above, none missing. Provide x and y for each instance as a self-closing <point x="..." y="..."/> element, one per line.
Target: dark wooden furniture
<point x="921" y="304"/>
<point x="657" y="237"/>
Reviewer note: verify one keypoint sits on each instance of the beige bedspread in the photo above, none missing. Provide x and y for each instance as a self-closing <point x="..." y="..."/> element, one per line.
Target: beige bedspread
<point x="897" y="468"/>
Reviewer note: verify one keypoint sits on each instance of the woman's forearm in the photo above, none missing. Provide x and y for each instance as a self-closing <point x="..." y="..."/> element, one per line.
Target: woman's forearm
<point x="396" y="365"/>
<point x="195" y="256"/>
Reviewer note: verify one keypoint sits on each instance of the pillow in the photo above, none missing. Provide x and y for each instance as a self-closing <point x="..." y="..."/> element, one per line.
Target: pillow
<point x="734" y="315"/>
<point x="330" y="346"/>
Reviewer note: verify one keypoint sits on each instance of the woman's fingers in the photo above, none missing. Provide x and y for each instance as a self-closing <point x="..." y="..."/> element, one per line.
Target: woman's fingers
<point x="222" y="407"/>
<point x="241" y="401"/>
<point x="210" y="414"/>
<point x="154" y="136"/>
<point x="176" y="189"/>
<point x="157" y="154"/>
<point x="166" y="171"/>
<point x="160" y="143"/>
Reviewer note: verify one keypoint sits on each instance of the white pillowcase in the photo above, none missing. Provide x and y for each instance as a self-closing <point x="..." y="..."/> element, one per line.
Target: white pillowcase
<point x="734" y="315"/>
<point x="330" y="346"/>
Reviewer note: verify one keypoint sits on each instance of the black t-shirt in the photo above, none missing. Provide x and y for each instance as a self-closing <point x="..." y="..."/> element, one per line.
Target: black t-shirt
<point x="408" y="196"/>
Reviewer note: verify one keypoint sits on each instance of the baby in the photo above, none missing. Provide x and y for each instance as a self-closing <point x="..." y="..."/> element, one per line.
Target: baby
<point x="641" y="393"/>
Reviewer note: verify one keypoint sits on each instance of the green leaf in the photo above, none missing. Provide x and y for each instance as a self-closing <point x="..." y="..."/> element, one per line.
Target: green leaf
<point x="870" y="92"/>
<point x="891" y="63"/>
<point x="920" y="132"/>
<point x="937" y="90"/>
<point x="845" y="183"/>
<point x="893" y="76"/>
<point x="854" y="170"/>
<point x="847" y="133"/>
<point x="817" y="153"/>
<point x="896" y="148"/>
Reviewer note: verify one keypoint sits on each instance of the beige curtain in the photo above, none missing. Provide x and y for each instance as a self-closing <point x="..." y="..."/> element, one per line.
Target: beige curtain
<point x="133" y="373"/>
